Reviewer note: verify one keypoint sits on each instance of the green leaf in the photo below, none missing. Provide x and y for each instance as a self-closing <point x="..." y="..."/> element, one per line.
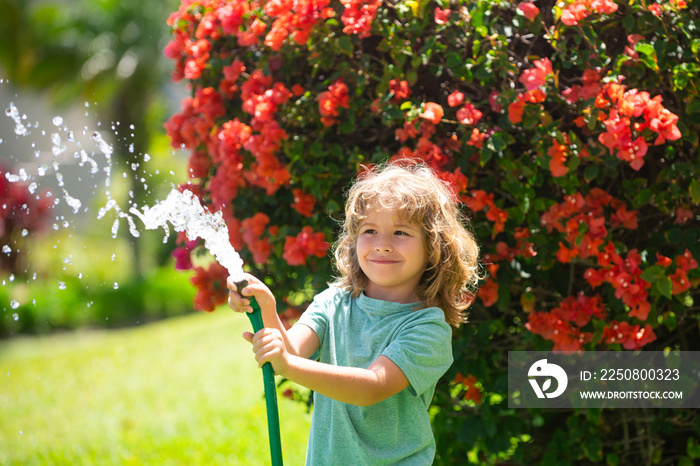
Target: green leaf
<point x="664" y="286"/>
<point x="345" y="45"/>
<point x="695" y="46"/>
<point x="693" y="448"/>
<point x="654" y="273"/>
<point x="496" y="142"/>
<point x="647" y="55"/>
<point x="478" y="23"/>
<point x="628" y="22"/>
<point x="695" y="191"/>
<point x="670" y="321"/>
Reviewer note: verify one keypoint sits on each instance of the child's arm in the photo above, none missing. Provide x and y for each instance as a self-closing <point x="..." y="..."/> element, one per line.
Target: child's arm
<point x="300" y="340"/>
<point x="353" y="385"/>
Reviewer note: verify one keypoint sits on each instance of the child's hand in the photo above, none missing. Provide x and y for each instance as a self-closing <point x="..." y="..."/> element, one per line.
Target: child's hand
<point x="238" y="301"/>
<point x="268" y="346"/>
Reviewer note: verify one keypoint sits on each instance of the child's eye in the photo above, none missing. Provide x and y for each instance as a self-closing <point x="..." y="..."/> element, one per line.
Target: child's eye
<point x="401" y="233"/>
<point x="368" y="231"/>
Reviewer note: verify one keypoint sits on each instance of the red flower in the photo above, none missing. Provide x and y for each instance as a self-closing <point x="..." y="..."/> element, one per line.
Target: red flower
<point x="529" y="10"/>
<point x="252" y="229"/>
<point x="468" y="115"/>
<point x="488" y="292"/>
<point x="456" y="180"/>
<point x="472" y="392"/>
<point x="686" y="261"/>
<point x="631" y="337"/>
<point x="683" y="214"/>
<point x="358" y="16"/>
<point x="306" y="244"/>
<point x="198" y="165"/>
<point x="555" y="327"/>
<point x="400" y="89"/>
<point x="478" y="200"/>
<point x="183" y="259"/>
<point x="662" y="260"/>
<point x="476" y="139"/>
<point x="336" y="96"/>
<point x="442" y="16"/>
<point x="499" y="217"/>
<point x="535" y="77"/>
<point x="455" y="99"/>
<point x="211" y="287"/>
<point x="515" y="110"/>
<point x="303" y="203"/>
<point x="564" y="254"/>
<point x="558" y="153"/>
<point x="680" y="282"/>
<point x="432" y="112"/>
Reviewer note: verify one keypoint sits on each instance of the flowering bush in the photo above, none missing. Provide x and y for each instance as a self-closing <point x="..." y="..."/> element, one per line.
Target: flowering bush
<point x="568" y="130"/>
<point x="23" y="210"/>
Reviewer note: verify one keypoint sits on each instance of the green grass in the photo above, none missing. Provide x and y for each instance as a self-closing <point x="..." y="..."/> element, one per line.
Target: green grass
<point x="182" y="391"/>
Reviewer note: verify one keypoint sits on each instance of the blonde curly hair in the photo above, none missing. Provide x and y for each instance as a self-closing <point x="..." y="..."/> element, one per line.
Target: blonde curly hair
<point x="416" y="195"/>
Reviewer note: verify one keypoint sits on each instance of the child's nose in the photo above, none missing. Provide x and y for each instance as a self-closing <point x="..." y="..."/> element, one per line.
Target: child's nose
<point x="382" y="245"/>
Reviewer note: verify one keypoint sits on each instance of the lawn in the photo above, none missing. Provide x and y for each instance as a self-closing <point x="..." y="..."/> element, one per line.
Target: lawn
<point x="182" y="391"/>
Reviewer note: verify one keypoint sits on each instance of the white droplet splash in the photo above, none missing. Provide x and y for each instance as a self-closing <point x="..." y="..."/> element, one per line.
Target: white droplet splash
<point x="184" y="212"/>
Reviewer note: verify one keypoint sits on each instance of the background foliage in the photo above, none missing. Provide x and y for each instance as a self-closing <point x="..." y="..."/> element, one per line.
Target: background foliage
<point x="569" y="130"/>
<point x="105" y="57"/>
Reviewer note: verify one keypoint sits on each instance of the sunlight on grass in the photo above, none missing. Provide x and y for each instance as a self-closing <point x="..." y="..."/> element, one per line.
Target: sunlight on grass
<point x="186" y="390"/>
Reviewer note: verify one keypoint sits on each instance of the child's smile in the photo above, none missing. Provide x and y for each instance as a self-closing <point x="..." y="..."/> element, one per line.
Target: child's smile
<point x="392" y="254"/>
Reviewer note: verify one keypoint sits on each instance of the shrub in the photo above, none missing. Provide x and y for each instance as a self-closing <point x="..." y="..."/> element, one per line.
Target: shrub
<point x="23" y="211"/>
<point x="569" y="131"/>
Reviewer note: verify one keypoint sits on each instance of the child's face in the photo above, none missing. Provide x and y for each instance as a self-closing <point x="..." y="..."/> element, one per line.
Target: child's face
<point x="392" y="254"/>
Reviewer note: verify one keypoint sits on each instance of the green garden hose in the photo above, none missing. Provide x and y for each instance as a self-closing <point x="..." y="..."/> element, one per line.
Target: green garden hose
<point x="273" y="421"/>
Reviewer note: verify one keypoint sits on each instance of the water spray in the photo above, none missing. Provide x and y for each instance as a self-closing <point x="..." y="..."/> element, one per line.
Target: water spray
<point x="180" y="209"/>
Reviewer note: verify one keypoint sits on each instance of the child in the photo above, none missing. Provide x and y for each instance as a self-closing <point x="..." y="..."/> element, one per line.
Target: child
<point x="380" y="332"/>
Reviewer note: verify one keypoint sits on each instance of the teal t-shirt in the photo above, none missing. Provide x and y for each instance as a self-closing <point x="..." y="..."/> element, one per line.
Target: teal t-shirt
<point x="353" y="333"/>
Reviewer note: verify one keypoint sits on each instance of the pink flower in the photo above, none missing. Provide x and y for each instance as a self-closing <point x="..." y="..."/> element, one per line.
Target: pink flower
<point x="455" y="99"/>
<point x="535" y="77"/>
<point x="468" y="115"/>
<point x="442" y="16"/>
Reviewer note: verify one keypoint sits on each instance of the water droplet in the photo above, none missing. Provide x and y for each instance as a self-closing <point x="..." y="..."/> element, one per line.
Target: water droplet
<point x="15" y="317"/>
<point x="14" y="304"/>
<point x="61" y="285"/>
<point x="116" y="286"/>
<point x="71" y="201"/>
<point x="146" y="157"/>
<point x="6" y="249"/>
<point x="115" y="228"/>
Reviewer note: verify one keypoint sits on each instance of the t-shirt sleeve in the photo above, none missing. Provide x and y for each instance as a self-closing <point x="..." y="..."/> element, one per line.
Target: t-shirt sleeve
<point x="316" y="315"/>
<point x="423" y="350"/>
